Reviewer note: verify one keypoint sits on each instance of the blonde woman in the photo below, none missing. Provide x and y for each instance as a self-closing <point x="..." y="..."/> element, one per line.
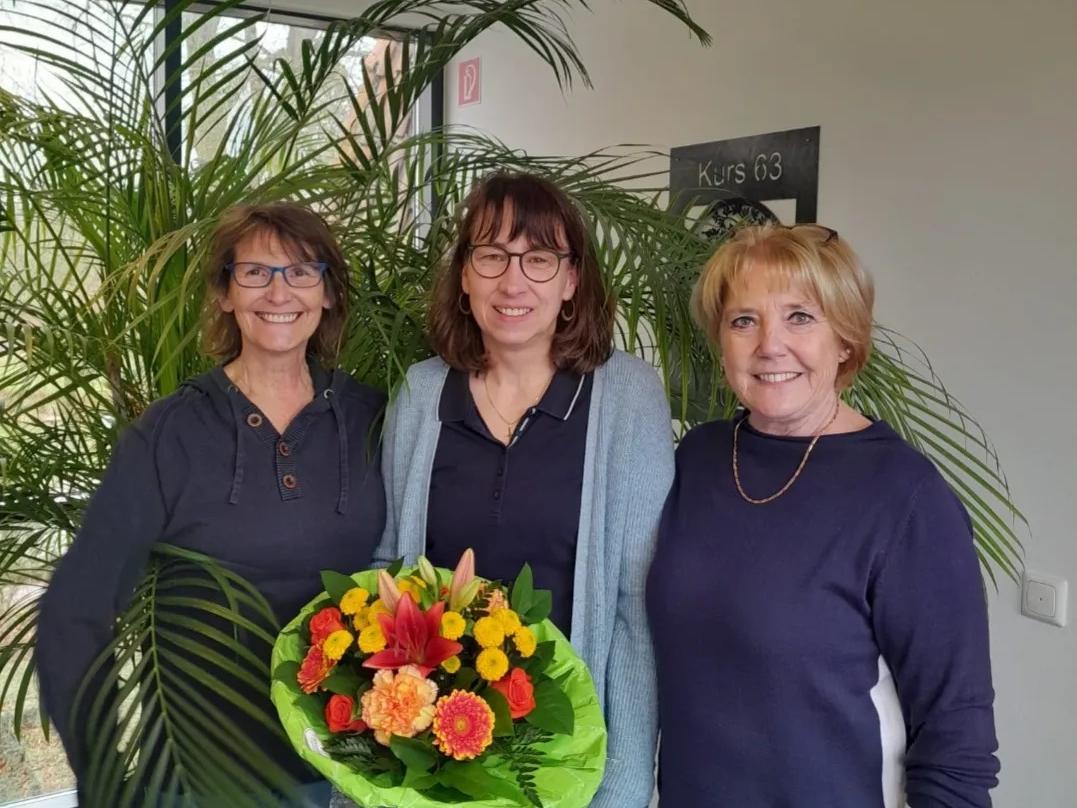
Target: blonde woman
<point x="820" y="627"/>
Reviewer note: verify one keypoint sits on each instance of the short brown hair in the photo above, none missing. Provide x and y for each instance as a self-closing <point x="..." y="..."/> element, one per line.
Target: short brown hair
<point x="306" y="237"/>
<point x="544" y="214"/>
<point x="810" y="255"/>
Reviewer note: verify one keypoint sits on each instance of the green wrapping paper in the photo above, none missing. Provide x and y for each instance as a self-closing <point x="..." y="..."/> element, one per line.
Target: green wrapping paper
<point x="571" y="770"/>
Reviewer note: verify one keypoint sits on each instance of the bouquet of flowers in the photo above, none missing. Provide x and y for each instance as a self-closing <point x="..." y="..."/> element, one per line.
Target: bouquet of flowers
<point x="420" y="688"/>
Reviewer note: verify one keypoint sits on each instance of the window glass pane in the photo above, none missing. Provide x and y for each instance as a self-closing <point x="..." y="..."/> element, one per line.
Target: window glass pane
<point x="269" y="42"/>
<point x="81" y="32"/>
<point x="30" y="765"/>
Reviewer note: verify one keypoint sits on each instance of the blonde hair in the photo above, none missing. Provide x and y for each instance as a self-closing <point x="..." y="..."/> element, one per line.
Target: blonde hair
<point x="812" y="256"/>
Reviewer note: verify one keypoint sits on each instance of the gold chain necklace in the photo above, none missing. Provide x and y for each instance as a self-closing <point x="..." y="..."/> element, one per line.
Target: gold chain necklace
<point x="800" y="468"/>
<point x="511" y="425"/>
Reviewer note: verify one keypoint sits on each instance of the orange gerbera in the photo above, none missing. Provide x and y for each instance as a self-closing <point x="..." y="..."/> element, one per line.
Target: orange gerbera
<point x="314" y="670"/>
<point x="463" y="725"/>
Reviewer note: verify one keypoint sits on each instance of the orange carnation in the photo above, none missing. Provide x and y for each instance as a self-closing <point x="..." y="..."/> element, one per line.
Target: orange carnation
<point x="399" y="704"/>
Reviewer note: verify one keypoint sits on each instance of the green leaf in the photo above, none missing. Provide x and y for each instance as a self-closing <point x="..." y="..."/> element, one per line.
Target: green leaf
<point x="344" y="681"/>
<point x="418" y="780"/>
<point x="553" y="710"/>
<point x="541" y="605"/>
<point x="502" y="714"/>
<point x="288" y="671"/>
<point x="395" y="567"/>
<point x="336" y="585"/>
<point x="523" y="591"/>
<point x="361" y="751"/>
<point x="415" y="754"/>
<point x="540" y="660"/>
<point x="427" y="596"/>
<point x="475" y="781"/>
<point x="465" y="678"/>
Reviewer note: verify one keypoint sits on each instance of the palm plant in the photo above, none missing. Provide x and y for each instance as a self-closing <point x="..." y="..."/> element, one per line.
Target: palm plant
<point x="112" y="176"/>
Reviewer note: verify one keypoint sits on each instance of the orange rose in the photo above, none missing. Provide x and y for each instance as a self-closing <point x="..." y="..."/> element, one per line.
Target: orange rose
<point x="518" y="692"/>
<point x="339" y="714"/>
<point x="324" y="623"/>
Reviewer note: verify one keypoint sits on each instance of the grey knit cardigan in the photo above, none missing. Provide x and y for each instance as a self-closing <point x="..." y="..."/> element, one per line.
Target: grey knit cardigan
<point x="628" y="470"/>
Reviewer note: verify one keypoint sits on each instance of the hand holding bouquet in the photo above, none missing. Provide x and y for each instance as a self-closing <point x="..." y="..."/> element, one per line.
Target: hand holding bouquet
<point x="424" y="688"/>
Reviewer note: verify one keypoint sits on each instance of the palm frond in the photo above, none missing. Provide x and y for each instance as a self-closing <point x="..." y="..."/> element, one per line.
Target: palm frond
<point x="900" y="385"/>
<point x="158" y="701"/>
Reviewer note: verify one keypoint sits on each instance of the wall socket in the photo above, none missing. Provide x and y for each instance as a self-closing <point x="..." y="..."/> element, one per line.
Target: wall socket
<point x="1043" y="597"/>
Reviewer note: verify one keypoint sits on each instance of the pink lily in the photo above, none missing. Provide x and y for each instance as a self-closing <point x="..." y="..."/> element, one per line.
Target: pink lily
<point x="387" y="591"/>
<point x="413" y="637"/>
<point x="463" y="588"/>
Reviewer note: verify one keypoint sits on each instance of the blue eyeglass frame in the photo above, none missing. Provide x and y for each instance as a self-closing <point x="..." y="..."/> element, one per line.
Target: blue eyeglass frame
<point x="322" y="266"/>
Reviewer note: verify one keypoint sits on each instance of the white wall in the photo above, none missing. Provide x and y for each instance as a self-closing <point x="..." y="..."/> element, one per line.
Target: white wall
<point x="949" y="133"/>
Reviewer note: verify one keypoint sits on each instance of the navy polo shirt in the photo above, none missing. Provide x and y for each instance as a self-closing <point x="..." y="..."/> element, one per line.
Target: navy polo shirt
<point x="513" y="504"/>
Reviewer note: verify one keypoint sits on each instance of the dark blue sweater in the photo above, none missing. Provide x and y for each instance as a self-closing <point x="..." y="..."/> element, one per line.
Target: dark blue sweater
<point x="818" y="650"/>
<point x="203" y="469"/>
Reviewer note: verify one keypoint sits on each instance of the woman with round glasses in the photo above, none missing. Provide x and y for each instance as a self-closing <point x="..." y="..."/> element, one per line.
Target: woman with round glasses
<point x="819" y="619"/>
<point x="262" y="463"/>
<point x="530" y="439"/>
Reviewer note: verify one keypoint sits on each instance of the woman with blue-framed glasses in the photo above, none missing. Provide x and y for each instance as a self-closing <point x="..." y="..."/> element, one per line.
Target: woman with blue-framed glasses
<point x="261" y="463"/>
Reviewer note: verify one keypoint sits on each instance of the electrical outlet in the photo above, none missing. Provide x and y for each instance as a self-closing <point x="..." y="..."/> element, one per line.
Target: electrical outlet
<point x="1043" y="597"/>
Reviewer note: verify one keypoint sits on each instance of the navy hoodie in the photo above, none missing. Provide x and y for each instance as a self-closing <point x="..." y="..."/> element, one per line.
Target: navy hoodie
<point x="205" y="470"/>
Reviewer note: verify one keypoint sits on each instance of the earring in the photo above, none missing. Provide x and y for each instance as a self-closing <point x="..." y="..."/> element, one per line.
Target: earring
<point x="460" y="304"/>
<point x="568" y="318"/>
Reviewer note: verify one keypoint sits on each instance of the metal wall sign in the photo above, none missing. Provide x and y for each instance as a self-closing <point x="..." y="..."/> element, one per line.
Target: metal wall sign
<point x="778" y="165"/>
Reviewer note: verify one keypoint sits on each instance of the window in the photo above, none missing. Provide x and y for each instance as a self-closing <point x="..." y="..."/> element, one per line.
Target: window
<point x="32" y="768"/>
<point x="281" y="37"/>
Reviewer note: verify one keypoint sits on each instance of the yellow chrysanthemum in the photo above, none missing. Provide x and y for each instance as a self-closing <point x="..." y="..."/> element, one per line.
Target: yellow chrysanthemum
<point x="336" y="644"/>
<point x="414" y="585"/>
<point x="371" y="640"/>
<point x="509" y="620"/>
<point x="488" y="632"/>
<point x="492" y="664"/>
<point x="451" y="665"/>
<point x="452" y="625"/>
<point x="524" y="640"/>
<point x="361" y="619"/>
<point x="354" y="600"/>
<point x="376" y="608"/>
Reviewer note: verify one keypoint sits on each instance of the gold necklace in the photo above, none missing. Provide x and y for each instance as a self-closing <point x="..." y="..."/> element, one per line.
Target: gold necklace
<point x="800" y="468"/>
<point x="511" y="425"/>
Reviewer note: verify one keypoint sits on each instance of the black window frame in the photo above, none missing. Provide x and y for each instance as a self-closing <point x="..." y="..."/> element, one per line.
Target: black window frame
<point x="306" y="19"/>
